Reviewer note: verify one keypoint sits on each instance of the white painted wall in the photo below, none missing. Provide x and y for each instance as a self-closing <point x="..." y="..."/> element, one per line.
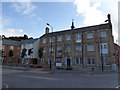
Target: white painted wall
<point x="29" y="46"/>
<point x="35" y="49"/>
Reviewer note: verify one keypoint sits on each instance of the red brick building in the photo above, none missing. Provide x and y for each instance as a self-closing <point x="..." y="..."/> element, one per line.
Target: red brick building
<point x="117" y="53"/>
<point x="11" y="50"/>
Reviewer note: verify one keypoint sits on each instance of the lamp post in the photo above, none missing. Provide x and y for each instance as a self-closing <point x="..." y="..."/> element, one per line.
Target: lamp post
<point x="82" y="50"/>
<point x="51" y="45"/>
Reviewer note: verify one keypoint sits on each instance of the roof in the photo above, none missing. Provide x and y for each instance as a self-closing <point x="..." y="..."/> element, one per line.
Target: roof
<point x="82" y="29"/>
<point x="28" y="41"/>
<point x="11" y="42"/>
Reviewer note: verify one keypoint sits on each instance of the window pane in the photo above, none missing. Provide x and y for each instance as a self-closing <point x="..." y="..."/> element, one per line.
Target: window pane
<point x="79" y="48"/>
<point x="68" y="37"/>
<point x="102" y="34"/>
<point x="59" y="48"/>
<point x="44" y="50"/>
<point x="50" y="49"/>
<point x="51" y="39"/>
<point x="104" y="48"/>
<point x="44" y="40"/>
<point x="91" y="60"/>
<point x="90" y="47"/>
<point x="68" y="48"/>
<point x="78" y="37"/>
<point x="89" y="35"/>
<point x="77" y="61"/>
<point x="59" y="38"/>
<point x="81" y="60"/>
<point x="43" y="60"/>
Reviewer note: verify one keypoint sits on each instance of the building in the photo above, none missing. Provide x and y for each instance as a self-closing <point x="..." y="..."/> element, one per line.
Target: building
<point x="11" y="51"/>
<point x="0" y="48"/>
<point x="31" y="51"/>
<point x="117" y="54"/>
<point x="91" y="46"/>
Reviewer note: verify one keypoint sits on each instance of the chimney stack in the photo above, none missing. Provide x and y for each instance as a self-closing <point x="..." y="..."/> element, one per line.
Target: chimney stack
<point x="72" y="27"/>
<point x="46" y="30"/>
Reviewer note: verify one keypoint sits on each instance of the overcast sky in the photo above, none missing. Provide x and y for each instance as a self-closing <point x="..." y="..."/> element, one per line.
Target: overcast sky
<point x="28" y="17"/>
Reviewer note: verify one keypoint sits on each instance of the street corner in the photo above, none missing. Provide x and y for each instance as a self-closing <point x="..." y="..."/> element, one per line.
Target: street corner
<point x="5" y="86"/>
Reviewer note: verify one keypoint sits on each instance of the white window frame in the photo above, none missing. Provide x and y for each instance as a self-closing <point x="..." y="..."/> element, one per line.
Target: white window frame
<point x="90" y="35"/>
<point x="103" y="48"/>
<point x="102" y="33"/>
<point x="80" y="48"/>
<point x="68" y="37"/>
<point x="68" y="49"/>
<point x="44" y="40"/>
<point x="51" y="49"/>
<point x="59" y="48"/>
<point x="59" y="38"/>
<point x="91" y="60"/>
<point x="43" y="60"/>
<point x="44" y="50"/>
<point x="79" y="60"/>
<point x="90" y="47"/>
<point x="51" y="39"/>
<point x="78" y="38"/>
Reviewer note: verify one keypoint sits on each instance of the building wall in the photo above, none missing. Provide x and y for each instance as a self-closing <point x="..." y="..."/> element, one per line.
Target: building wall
<point x="33" y="46"/>
<point x="0" y="48"/>
<point x="16" y="53"/>
<point x="96" y="54"/>
<point x="35" y="49"/>
<point x="117" y="54"/>
<point x="27" y="46"/>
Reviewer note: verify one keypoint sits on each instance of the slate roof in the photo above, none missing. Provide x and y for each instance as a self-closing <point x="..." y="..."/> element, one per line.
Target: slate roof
<point x="28" y="41"/>
<point x="82" y="29"/>
<point x="11" y="42"/>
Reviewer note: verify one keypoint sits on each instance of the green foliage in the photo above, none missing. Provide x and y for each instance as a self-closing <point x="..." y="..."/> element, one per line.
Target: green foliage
<point x="23" y="52"/>
<point x="40" y="52"/>
<point x="30" y="51"/>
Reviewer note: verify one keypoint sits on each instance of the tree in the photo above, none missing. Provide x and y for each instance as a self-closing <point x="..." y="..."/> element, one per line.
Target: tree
<point x="40" y="52"/>
<point x="23" y="52"/>
<point x="25" y="36"/>
<point x="11" y="53"/>
<point x="30" y="51"/>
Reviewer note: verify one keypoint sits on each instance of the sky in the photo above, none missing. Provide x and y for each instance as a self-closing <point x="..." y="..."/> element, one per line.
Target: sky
<point x="19" y="17"/>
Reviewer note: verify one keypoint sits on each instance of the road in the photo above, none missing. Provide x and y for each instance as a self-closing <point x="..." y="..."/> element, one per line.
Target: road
<point x="27" y="79"/>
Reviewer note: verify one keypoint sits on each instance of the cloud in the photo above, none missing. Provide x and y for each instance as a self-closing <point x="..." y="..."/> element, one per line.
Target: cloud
<point x="89" y="9"/>
<point x="95" y="12"/>
<point x="13" y="32"/>
<point x="24" y="8"/>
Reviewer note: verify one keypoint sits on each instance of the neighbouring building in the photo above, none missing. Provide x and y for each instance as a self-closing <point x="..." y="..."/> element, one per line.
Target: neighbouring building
<point x="91" y="46"/>
<point x="31" y="51"/>
<point x="117" y="54"/>
<point x="11" y="51"/>
<point x="0" y="48"/>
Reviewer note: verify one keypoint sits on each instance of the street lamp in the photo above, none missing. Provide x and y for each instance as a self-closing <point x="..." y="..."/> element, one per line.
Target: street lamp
<point x="82" y="50"/>
<point x="51" y="46"/>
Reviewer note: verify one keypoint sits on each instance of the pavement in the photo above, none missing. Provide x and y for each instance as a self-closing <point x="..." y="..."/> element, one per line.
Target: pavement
<point x="45" y="76"/>
<point x="4" y="85"/>
<point x="58" y="71"/>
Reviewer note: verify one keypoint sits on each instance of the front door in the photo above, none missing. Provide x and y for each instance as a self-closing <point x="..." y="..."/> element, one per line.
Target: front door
<point x="68" y="62"/>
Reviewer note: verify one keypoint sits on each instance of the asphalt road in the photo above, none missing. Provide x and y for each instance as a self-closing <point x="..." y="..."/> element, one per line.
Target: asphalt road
<point x="26" y="79"/>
